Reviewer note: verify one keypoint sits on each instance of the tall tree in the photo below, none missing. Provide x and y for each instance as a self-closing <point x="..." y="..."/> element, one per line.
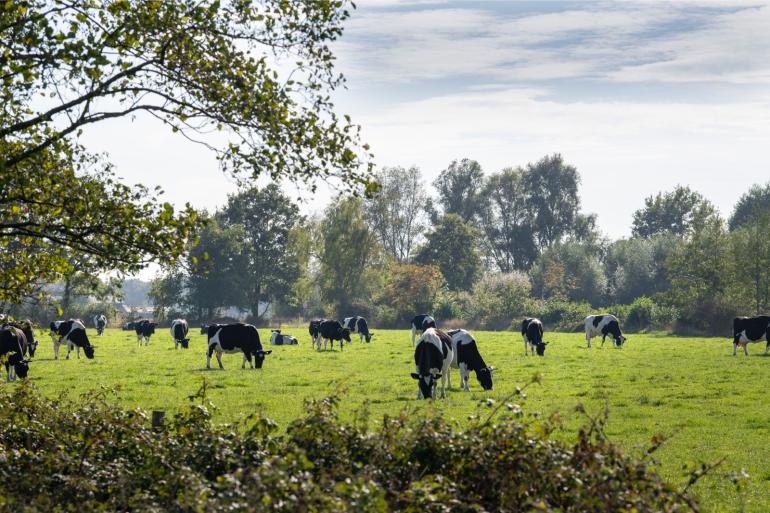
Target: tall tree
<point x="553" y="201"/>
<point x="460" y="188"/>
<point x="751" y="253"/>
<point x="348" y="259"/>
<point x="396" y="212"/>
<point x="267" y="216"/>
<point x="751" y="206"/>
<point x="507" y="223"/>
<point x="570" y="271"/>
<point x="671" y="212"/>
<point x="258" y="72"/>
<point x="636" y="267"/>
<point x="451" y="245"/>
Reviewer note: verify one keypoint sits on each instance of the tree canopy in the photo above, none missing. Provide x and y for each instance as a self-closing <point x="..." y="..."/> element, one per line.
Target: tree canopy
<point x="671" y="212"/>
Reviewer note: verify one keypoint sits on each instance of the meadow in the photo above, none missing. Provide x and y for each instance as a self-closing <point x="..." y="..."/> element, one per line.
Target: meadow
<point x="713" y="405"/>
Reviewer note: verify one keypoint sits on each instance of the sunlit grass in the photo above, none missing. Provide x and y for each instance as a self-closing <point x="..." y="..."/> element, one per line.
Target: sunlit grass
<point x="715" y="405"/>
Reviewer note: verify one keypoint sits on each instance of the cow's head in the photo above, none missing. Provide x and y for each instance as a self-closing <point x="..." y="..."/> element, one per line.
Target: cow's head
<point x="540" y="348"/>
<point x="204" y="329"/>
<point x="89" y="351"/>
<point x="259" y="358"/>
<point x="345" y="334"/>
<point x="426" y="383"/>
<point x="21" y="368"/>
<point x="368" y="337"/>
<point x="619" y="341"/>
<point x="185" y="343"/>
<point x="485" y="377"/>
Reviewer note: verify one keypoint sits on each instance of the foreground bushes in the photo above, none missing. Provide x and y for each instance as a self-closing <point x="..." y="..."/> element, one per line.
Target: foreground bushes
<point x="93" y="456"/>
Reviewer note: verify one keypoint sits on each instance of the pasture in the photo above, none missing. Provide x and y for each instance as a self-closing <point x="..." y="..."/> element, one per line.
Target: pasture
<point x="715" y="405"/>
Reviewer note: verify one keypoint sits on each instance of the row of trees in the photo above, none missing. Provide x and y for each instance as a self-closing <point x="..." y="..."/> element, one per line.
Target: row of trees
<point x="487" y="249"/>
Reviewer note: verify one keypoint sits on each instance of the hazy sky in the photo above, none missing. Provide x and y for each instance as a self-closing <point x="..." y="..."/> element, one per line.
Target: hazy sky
<point x="639" y="96"/>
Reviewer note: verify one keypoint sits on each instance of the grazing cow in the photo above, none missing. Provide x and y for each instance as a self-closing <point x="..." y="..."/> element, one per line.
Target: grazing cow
<point x="72" y="333"/>
<point x="421" y="323"/>
<point x="179" y="329"/>
<point x="29" y="335"/>
<point x="315" y="331"/>
<point x="332" y="330"/>
<point x="604" y="324"/>
<point x="100" y="322"/>
<point x="277" y="339"/>
<point x="432" y="357"/>
<point x="204" y="329"/>
<point x="144" y="329"/>
<point x="750" y="329"/>
<point x="128" y="326"/>
<point x="12" y="346"/>
<point x="467" y="358"/>
<point x="532" y="333"/>
<point x="358" y="325"/>
<point x="234" y="338"/>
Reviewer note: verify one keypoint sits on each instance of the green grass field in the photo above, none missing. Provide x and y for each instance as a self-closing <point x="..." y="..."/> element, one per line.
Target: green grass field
<point x="715" y="405"/>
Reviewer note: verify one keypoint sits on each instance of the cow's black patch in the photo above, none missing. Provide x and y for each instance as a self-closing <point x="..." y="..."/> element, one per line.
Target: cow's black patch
<point x="597" y="320"/>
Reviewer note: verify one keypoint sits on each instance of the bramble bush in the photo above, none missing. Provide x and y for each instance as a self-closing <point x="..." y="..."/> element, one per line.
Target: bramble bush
<point x="90" y="455"/>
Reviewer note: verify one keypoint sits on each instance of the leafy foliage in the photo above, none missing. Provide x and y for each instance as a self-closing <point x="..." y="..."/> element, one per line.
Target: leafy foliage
<point x="93" y="456"/>
<point x="751" y="206"/>
<point x="671" y="212"/>
<point x="460" y="188"/>
<point x="411" y="288"/>
<point x="569" y="271"/>
<point x="452" y="246"/>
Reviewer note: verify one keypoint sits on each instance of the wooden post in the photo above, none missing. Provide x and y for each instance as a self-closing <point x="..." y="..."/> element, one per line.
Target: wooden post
<point x="157" y="419"/>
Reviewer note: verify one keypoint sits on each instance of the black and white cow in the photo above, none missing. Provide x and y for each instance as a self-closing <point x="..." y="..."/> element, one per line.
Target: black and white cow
<point x="421" y="323"/>
<point x="432" y="357"/>
<point x="204" y="329"/>
<point x="29" y="335"/>
<point x="235" y="338"/>
<point x="72" y="333"/>
<point x="100" y="322"/>
<point x="179" y="329"/>
<point x="144" y="329"/>
<point x="358" y="325"/>
<point x="467" y="358"/>
<point x="532" y="333"/>
<point x="604" y="324"/>
<point x="13" y="346"/>
<point x="332" y="330"/>
<point x="747" y="330"/>
<point x="315" y="332"/>
<point x="278" y="339"/>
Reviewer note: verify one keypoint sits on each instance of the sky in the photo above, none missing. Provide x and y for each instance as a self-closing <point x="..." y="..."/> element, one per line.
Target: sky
<point x="638" y="96"/>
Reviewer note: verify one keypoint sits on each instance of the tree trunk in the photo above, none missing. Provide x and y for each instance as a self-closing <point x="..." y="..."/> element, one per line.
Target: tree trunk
<point x="66" y="296"/>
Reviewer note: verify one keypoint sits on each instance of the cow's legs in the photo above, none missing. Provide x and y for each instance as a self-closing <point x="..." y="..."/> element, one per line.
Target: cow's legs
<point x="219" y="359"/>
<point x="77" y="351"/>
<point x="588" y="341"/>
<point x="746" y="348"/>
<point x="56" y="350"/>
<point x="342" y="343"/>
<point x="414" y="332"/>
<point x="735" y="347"/>
<point x="604" y="335"/>
<point x="526" y="346"/>
<point x="69" y="350"/>
<point x="464" y="377"/>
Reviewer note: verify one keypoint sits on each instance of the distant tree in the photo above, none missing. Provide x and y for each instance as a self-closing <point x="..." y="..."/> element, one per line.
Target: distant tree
<point x="412" y="289"/>
<point x="569" y="271"/>
<point x="497" y="299"/>
<point x="396" y="212"/>
<point x="460" y="188"/>
<point x="167" y="291"/>
<point x="636" y="267"/>
<point x="751" y="254"/>
<point x="266" y="216"/>
<point x="671" y="212"/>
<point x="451" y="245"/>
<point x="299" y="249"/>
<point x="507" y="222"/>
<point x="751" y="206"/>
<point x="348" y="272"/>
<point x="552" y="198"/>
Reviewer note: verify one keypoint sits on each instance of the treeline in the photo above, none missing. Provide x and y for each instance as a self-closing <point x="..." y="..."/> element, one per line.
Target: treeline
<point x="485" y="249"/>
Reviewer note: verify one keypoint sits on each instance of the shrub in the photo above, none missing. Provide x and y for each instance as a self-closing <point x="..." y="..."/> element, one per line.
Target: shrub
<point x="92" y="456"/>
<point x="498" y="298"/>
<point x="557" y="314"/>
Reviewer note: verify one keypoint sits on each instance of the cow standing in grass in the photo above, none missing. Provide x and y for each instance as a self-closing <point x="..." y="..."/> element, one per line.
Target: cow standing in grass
<point x="432" y="357"/>
<point x="467" y="358"/>
<point x="332" y="330"/>
<point x="532" y="333"/>
<point x="72" y="333"/>
<point x="314" y="329"/>
<point x="747" y="330"/>
<point x="604" y="324"/>
<point x="13" y="346"/>
<point x="144" y="330"/>
<point x="421" y="323"/>
<point x="179" y="330"/>
<point x="100" y="322"/>
<point x="29" y="335"/>
<point x="235" y="338"/>
<point x="358" y="325"/>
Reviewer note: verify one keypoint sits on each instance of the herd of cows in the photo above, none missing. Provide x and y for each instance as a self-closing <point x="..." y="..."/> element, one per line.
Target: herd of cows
<point x="435" y="352"/>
